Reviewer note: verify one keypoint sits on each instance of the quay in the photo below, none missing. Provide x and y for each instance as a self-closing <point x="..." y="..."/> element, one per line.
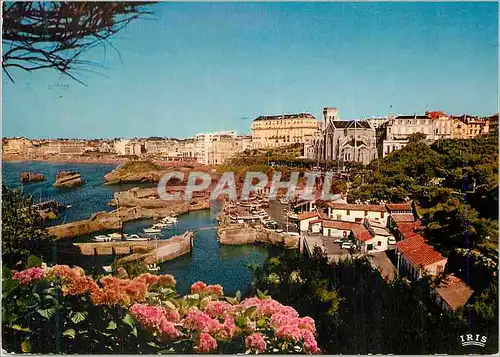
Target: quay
<point x="150" y="251"/>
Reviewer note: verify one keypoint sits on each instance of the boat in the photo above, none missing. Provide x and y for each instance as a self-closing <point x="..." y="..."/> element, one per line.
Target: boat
<point x="152" y="230"/>
<point x="69" y="206"/>
<point x="153" y="267"/>
<point x="162" y="225"/>
<point x="102" y="238"/>
<point x="169" y="220"/>
<point x="115" y="236"/>
<point x="135" y="237"/>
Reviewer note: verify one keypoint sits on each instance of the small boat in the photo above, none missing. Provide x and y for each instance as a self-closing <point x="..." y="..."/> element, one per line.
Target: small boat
<point x="115" y="236"/>
<point x="69" y="206"/>
<point x="135" y="237"/>
<point x="153" y="267"/>
<point x="152" y="230"/>
<point x="161" y="225"/>
<point x="102" y="238"/>
<point x="169" y="219"/>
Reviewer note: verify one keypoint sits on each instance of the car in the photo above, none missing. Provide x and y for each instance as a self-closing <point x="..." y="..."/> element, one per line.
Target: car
<point x="346" y="245"/>
<point x="391" y="240"/>
<point x="338" y="240"/>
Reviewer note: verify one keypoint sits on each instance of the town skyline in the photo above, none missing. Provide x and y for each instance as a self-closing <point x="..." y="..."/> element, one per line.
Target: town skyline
<point x="217" y="67"/>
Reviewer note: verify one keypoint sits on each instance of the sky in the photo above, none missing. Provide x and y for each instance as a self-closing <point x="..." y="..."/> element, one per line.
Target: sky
<point x="203" y="67"/>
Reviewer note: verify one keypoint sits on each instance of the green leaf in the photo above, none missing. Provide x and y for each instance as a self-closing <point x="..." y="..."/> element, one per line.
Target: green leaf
<point x="231" y="300"/>
<point x="261" y="322"/>
<point x="241" y="321"/>
<point x="79" y="317"/>
<point x="166" y="351"/>
<point x="111" y="326"/>
<point x="152" y="344"/>
<point x="26" y="346"/>
<point x="250" y="311"/>
<point x="34" y="262"/>
<point x="70" y="333"/>
<point x="129" y="320"/>
<point x="47" y="313"/>
<point x="20" y="328"/>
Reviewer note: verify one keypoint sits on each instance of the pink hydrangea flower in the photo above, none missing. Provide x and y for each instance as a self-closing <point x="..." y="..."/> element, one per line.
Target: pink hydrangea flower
<point x="28" y="276"/>
<point x="289" y="332"/>
<point x="198" y="287"/>
<point x="256" y="342"/>
<point x="219" y="309"/>
<point x="200" y="321"/>
<point x="153" y="318"/>
<point x="310" y="344"/>
<point x="206" y="343"/>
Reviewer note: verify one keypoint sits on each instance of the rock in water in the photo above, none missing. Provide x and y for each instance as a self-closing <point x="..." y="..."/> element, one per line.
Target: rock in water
<point x="135" y="171"/>
<point x="28" y="176"/>
<point x="68" y="179"/>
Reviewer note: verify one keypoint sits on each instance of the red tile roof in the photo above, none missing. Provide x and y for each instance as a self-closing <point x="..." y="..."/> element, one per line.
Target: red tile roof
<point x="399" y="206"/>
<point x="403" y="217"/>
<point x="354" y="207"/>
<point x="307" y="215"/>
<point x="454" y="291"/>
<point x="347" y="226"/>
<point x="362" y="234"/>
<point x="418" y="252"/>
<point x="315" y="221"/>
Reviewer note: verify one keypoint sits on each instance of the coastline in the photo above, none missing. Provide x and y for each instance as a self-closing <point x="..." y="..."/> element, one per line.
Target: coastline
<point x="62" y="159"/>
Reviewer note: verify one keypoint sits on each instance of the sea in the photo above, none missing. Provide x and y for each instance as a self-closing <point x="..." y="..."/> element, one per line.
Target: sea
<point x="209" y="261"/>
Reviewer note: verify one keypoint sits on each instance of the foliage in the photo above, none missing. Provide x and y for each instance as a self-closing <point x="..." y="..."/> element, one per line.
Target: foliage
<point x="62" y="310"/>
<point x="372" y="315"/>
<point x="55" y="35"/>
<point x="22" y="229"/>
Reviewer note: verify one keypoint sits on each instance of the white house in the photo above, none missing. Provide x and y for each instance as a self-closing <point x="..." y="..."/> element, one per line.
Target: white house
<point x="417" y="257"/>
<point x="338" y="229"/>
<point x="315" y="225"/>
<point x="356" y="213"/>
<point x="377" y="238"/>
<point x="305" y="218"/>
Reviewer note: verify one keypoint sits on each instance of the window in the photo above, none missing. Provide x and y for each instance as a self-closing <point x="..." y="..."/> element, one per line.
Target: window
<point x="366" y="213"/>
<point x="339" y="217"/>
<point x="369" y="247"/>
<point x="379" y="243"/>
<point x="348" y="212"/>
<point x="381" y="214"/>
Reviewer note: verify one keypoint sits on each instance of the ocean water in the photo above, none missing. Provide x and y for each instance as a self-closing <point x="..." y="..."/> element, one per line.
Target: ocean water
<point x="209" y="261"/>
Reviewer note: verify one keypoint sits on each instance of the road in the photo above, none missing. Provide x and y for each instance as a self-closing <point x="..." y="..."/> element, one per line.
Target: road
<point x="276" y="212"/>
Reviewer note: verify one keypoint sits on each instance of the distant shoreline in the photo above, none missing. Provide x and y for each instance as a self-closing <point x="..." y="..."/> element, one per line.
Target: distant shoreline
<point x="64" y="160"/>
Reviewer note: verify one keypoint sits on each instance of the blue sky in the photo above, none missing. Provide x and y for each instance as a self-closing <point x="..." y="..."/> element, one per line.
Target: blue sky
<point x="199" y="67"/>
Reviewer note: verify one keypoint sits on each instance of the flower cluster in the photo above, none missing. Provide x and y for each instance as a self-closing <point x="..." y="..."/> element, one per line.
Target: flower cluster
<point x="27" y="276"/>
<point x="157" y="320"/>
<point x="256" y="342"/>
<point x="202" y="288"/>
<point x="112" y="290"/>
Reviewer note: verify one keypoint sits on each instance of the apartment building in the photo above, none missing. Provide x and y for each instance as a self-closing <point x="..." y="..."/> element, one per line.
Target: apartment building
<point x="283" y="130"/>
<point x="469" y="126"/>
<point x="16" y="146"/>
<point x="434" y="125"/>
<point x="129" y="147"/>
<point x="204" y="145"/>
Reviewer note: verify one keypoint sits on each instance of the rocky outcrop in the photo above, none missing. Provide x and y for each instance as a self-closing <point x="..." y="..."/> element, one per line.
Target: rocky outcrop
<point x="49" y="209"/>
<point x="66" y="179"/>
<point x="235" y="234"/>
<point x="135" y="171"/>
<point x="28" y="176"/>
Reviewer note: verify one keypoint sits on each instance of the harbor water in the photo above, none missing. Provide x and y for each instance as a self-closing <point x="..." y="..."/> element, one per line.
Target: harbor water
<point x="209" y="261"/>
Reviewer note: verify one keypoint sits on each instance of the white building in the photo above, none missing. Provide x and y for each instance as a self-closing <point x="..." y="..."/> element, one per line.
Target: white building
<point x="204" y="143"/>
<point x="348" y="212"/>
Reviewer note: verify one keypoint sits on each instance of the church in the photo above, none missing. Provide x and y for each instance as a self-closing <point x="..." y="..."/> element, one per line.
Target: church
<point x="346" y="140"/>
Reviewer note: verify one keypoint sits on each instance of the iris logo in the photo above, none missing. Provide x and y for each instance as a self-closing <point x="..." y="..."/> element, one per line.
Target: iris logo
<point x="471" y="340"/>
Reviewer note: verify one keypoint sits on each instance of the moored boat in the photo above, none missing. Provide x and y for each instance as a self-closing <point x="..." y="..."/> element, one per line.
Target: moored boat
<point x="152" y="230"/>
<point x="102" y="238"/>
<point x="153" y="267"/>
<point x="135" y="237"/>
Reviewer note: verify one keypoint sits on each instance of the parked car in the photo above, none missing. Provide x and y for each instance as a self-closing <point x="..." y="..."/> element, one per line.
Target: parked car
<point x="346" y="245"/>
<point x="338" y="240"/>
<point x="391" y="240"/>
